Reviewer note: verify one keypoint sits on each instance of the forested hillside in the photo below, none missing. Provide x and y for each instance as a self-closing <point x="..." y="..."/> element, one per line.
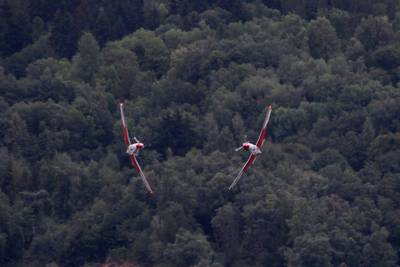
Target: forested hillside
<point x="195" y="77"/>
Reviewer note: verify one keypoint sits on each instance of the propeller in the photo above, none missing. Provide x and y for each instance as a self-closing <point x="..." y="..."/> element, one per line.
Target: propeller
<point x="147" y="145"/>
<point x="245" y="140"/>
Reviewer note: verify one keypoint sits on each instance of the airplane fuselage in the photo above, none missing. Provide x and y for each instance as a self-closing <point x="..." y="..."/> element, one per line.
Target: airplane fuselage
<point x="134" y="149"/>
<point x="252" y="148"/>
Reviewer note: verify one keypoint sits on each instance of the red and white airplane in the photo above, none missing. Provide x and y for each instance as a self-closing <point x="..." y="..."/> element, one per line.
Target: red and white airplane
<point x="133" y="150"/>
<point x="254" y="149"/>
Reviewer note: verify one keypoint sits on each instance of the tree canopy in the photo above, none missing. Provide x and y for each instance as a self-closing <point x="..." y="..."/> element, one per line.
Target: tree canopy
<point x="195" y="77"/>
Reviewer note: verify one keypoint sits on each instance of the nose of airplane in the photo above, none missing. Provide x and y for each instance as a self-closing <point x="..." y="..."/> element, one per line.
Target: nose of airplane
<point x="140" y="146"/>
<point x="246" y="146"/>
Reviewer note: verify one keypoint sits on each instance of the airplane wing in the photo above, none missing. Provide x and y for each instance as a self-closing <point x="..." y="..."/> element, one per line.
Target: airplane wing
<point x="263" y="132"/>
<point x="248" y="163"/>
<point x="135" y="163"/>
<point x="124" y="127"/>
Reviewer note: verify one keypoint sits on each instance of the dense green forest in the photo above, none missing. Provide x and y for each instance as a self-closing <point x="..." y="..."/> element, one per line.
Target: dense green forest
<point x="195" y="77"/>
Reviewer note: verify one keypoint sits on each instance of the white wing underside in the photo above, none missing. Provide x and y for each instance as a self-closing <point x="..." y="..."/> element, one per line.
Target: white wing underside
<point x="236" y="179"/>
<point x="146" y="183"/>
